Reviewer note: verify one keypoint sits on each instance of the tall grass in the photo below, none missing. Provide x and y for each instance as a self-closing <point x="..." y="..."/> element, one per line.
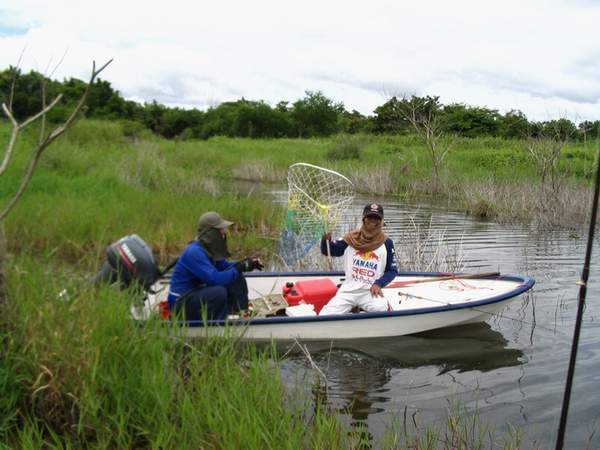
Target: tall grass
<point x="424" y="249"/>
<point x="526" y="202"/>
<point x="97" y="184"/>
<point x="80" y="373"/>
<point x="462" y="429"/>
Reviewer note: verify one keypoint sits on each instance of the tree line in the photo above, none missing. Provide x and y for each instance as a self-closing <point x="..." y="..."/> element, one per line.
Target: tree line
<point x="314" y="115"/>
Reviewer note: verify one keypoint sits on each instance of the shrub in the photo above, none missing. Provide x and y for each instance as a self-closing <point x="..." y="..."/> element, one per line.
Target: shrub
<point x="134" y="130"/>
<point x="346" y="146"/>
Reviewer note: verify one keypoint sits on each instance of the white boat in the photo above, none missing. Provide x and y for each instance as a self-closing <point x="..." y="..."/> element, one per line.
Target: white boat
<point x="418" y="302"/>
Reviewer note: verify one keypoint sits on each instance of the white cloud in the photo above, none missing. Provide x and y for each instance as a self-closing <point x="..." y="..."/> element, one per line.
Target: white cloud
<point x="537" y="56"/>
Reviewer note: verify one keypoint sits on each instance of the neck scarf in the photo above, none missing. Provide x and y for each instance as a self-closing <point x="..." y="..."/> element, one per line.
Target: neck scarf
<point x="214" y="243"/>
<point x="368" y="238"/>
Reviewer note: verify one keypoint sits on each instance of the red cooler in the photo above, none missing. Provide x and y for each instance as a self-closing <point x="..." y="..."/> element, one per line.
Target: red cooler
<point x="313" y="292"/>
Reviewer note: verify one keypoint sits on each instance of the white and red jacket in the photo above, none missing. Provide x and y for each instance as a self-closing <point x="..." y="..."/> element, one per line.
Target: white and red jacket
<point x="363" y="269"/>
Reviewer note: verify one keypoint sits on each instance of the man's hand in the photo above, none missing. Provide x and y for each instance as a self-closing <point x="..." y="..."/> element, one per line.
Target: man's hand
<point x="257" y="264"/>
<point x="249" y="264"/>
<point x="376" y="291"/>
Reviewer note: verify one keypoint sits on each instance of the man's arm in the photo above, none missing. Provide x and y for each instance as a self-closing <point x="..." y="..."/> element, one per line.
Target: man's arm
<point x="391" y="268"/>
<point x="201" y="266"/>
<point x="223" y="264"/>
<point x="337" y="248"/>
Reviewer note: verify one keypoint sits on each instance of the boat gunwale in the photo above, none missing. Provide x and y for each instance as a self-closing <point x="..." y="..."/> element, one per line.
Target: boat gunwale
<point x="526" y="283"/>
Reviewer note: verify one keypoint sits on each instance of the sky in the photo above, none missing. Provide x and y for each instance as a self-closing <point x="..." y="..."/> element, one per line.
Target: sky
<point x="539" y="57"/>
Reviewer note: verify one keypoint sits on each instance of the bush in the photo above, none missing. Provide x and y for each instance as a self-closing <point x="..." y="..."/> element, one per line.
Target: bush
<point x="134" y="130"/>
<point x="346" y="146"/>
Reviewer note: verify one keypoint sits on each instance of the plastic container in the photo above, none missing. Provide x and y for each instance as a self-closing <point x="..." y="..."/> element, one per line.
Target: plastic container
<point x="164" y="310"/>
<point x="312" y="292"/>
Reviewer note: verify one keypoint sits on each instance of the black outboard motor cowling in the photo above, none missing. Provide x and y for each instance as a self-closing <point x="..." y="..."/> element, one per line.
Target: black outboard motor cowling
<point x="129" y="261"/>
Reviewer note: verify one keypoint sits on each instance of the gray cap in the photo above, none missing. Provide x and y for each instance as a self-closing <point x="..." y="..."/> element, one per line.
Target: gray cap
<point x="212" y="220"/>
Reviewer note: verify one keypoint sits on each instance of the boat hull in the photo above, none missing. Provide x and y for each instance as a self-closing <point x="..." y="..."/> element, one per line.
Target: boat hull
<point x="416" y="308"/>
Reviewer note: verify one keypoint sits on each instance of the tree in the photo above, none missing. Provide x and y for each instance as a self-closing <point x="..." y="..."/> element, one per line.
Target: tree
<point x="316" y="115"/>
<point x="424" y="116"/>
<point x="45" y="140"/>
<point x="470" y="121"/>
<point x="391" y="118"/>
<point x="589" y="130"/>
<point x="352" y="122"/>
<point x="514" y="125"/>
<point x="545" y="149"/>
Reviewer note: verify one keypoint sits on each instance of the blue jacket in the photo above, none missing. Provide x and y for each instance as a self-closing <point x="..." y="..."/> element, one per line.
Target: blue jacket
<point x="195" y="268"/>
<point x="391" y="269"/>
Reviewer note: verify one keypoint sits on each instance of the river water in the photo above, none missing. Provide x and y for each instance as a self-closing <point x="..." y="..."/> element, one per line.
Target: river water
<point x="510" y="369"/>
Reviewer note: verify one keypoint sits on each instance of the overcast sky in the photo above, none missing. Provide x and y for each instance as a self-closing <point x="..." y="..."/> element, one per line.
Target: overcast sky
<point x="541" y="57"/>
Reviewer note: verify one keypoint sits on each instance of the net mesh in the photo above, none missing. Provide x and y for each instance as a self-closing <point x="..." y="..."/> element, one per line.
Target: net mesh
<point x="317" y="201"/>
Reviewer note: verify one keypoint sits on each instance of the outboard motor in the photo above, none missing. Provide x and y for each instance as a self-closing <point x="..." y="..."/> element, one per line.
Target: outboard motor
<point x="129" y="261"/>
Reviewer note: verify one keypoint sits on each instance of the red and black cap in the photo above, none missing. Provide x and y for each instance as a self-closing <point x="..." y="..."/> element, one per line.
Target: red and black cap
<point x="374" y="209"/>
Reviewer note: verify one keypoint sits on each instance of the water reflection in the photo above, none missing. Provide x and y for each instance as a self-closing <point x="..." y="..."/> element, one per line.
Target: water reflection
<point x="463" y="348"/>
<point x="365" y="377"/>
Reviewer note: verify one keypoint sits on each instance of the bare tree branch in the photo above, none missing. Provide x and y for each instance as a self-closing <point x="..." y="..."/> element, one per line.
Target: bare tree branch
<point x="423" y="115"/>
<point x="17" y="128"/>
<point x="545" y="151"/>
<point x="48" y="75"/>
<point x="37" y="153"/>
<point x="14" y="80"/>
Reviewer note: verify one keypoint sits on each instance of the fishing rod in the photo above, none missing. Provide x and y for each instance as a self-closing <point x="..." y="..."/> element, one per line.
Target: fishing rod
<point x="580" y="307"/>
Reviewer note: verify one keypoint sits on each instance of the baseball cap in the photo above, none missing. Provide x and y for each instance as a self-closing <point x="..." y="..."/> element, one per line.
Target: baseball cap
<point x="212" y="220"/>
<point x="373" y="209"/>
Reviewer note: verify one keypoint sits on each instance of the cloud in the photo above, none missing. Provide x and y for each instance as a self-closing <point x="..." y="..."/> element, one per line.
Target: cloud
<point x="383" y="88"/>
<point x="533" y="55"/>
<point x="184" y="90"/>
<point x="571" y="90"/>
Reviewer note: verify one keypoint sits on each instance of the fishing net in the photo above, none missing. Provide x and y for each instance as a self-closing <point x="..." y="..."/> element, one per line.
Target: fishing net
<point x="317" y="201"/>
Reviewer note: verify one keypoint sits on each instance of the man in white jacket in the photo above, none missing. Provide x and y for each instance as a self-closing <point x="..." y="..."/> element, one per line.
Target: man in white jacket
<point x="369" y="263"/>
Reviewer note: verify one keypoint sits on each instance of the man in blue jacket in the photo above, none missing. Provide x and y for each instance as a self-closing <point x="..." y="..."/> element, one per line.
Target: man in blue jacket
<point x="204" y="278"/>
<point x="369" y="263"/>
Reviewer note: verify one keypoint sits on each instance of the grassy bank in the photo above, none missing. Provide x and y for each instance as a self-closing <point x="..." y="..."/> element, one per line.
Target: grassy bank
<point x="78" y="373"/>
<point x="99" y="183"/>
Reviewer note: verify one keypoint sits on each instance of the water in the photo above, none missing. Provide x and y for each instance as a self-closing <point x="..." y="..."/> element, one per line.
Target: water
<point x="510" y="369"/>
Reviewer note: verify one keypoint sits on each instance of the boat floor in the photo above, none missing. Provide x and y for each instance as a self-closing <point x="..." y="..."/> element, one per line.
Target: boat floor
<point x="406" y="293"/>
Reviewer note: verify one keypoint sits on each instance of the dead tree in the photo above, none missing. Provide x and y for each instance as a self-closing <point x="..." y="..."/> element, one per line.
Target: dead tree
<point x="545" y="150"/>
<point x="423" y="114"/>
<point x="44" y="142"/>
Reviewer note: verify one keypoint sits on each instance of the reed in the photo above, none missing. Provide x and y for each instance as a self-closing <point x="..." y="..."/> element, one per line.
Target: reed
<point x="526" y="202"/>
<point x="374" y="180"/>
<point x="263" y="171"/>
<point x="460" y="429"/>
<point x="425" y="249"/>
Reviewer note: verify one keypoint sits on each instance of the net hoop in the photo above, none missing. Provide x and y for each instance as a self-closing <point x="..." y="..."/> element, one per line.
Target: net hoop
<point x="317" y="200"/>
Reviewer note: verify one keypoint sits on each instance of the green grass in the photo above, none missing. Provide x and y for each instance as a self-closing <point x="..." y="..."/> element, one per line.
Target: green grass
<point x="96" y="184"/>
<point x="80" y="373"/>
<point x="462" y="429"/>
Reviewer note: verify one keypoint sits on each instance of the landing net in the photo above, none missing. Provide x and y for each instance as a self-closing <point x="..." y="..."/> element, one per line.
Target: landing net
<point x="317" y="201"/>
